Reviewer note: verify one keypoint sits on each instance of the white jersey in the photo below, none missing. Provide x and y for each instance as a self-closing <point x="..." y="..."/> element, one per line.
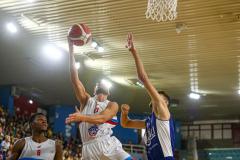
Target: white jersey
<point x="92" y="131"/>
<point x="38" y="151"/>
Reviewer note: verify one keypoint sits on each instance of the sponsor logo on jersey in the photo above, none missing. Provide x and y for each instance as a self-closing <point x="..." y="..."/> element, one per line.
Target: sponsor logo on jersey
<point x="149" y="135"/>
<point x="92" y="131"/>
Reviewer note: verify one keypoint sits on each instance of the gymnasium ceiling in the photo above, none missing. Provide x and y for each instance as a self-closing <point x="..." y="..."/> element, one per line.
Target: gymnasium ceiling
<point x="199" y="51"/>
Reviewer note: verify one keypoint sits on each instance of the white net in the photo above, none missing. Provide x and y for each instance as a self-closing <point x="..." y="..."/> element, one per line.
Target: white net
<point x="161" y="10"/>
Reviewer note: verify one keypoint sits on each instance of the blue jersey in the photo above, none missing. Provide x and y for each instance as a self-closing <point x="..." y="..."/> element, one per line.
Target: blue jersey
<point x="159" y="138"/>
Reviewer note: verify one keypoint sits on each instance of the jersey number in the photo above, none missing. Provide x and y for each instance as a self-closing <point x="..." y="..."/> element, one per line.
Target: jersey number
<point x="38" y="152"/>
<point x="96" y="110"/>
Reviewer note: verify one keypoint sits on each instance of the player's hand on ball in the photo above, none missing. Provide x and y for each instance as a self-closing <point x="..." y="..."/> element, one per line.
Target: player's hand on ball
<point x="125" y="108"/>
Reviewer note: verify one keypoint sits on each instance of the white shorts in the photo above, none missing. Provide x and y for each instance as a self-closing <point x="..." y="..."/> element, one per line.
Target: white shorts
<point x="107" y="148"/>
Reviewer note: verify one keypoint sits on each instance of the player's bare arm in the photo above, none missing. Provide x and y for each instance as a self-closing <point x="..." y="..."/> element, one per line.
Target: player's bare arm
<point x="79" y="89"/>
<point x="159" y="105"/>
<point x="100" y="118"/>
<point x="129" y="123"/>
<point x="17" y="150"/>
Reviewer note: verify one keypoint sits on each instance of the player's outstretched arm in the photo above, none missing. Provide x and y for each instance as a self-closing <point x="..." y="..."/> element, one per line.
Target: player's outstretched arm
<point x="110" y="111"/>
<point x="17" y="150"/>
<point x="160" y="107"/>
<point x="129" y="123"/>
<point x="79" y="89"/>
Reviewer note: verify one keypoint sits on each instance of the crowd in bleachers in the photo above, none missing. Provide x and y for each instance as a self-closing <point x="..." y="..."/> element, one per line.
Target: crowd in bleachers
<point x="13" y="128"/>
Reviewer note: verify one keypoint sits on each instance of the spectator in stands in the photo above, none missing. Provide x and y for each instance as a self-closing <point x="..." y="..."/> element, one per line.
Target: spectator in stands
<point x="1" y="133"/>
<point x="49" y="132"/>
<point x="5" y="146"/>
<point x="2" y="119"/>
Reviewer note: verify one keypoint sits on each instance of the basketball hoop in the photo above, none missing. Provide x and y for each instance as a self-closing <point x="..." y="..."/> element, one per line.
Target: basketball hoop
<point x="161" y="10"/>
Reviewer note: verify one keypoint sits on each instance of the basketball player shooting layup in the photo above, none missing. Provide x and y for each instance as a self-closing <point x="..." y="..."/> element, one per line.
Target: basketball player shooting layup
<point x="159" y="135"/>
<point x="97" y="116"/>
<point x="37" y="147"/>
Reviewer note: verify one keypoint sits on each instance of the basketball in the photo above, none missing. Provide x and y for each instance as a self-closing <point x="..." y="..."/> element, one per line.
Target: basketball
<point x="80" y="34"/>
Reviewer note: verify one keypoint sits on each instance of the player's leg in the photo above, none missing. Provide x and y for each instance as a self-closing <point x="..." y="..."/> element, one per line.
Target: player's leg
<point x="91" y="152"/>
<point x="113" y="150"/>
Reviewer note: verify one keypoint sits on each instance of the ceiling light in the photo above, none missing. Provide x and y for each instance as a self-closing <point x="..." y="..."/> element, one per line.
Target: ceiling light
<point x="94" y="44"/>
<point x="52" y="52"/>
<point x="239" y="91"/>
<point x="30" y="101"/>
<point x="11" y="27"/>
<point x="194" y="95"/>
<point x="106" y="82"/>
<point x="100" y="49"/>
<point x="77" y="65"/>
<point x="90" y="63"/>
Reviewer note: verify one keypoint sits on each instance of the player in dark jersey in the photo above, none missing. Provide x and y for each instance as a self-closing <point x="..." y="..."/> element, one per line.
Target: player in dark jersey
<point x="159" y="135"/>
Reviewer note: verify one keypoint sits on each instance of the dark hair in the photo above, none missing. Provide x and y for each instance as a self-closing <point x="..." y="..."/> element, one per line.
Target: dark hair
<point x="33" y="117"/>
<point x="101" y="90"/>
<point x="165" y="95"/>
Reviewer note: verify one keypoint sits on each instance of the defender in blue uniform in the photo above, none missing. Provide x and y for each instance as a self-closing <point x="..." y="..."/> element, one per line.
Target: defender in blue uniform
<point x="159" y="135"/>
